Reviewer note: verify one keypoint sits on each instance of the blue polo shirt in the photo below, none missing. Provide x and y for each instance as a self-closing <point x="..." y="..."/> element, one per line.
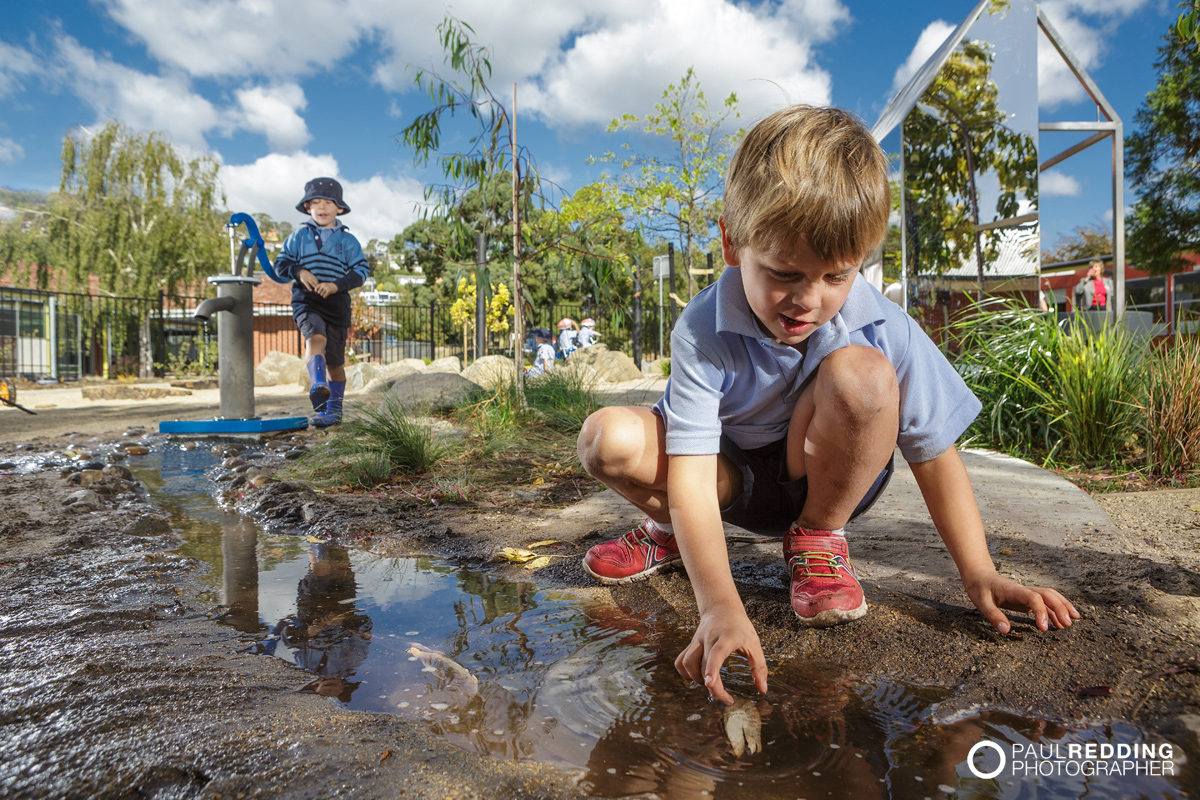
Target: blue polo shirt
<point x="728" y="377"/>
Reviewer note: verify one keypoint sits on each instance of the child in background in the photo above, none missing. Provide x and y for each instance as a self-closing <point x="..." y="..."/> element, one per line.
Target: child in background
<point x="567" y="336"/>
<point x="325" y="262"/>
<point x="792" y="383"/>
<point x="587" y="333"/>
<point x="543" y="359"/>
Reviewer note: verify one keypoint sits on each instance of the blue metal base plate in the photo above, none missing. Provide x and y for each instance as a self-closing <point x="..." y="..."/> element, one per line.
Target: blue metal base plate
<point x="220" y="427"/>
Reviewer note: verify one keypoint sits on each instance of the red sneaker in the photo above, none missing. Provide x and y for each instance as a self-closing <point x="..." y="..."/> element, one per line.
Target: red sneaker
<point x="825" y="590"/>
<point x="644" y="551"/>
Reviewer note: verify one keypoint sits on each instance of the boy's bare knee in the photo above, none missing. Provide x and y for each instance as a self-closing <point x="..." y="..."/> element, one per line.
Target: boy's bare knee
<point x="610" y="441"/>
<point x="857" y="381"/>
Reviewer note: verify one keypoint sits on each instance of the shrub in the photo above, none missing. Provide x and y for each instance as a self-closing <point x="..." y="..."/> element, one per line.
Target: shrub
<point x="1060" y="392"/>
<point x="1171" y="409"/>
<point x="371" y="446"/>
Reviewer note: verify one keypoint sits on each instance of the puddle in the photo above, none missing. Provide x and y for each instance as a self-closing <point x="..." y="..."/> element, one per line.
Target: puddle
<point x="519" y="671"/>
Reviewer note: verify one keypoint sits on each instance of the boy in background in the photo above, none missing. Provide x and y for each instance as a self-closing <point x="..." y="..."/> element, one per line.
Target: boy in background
<point x="567" y="336"/>
<point x="543" y="359"/>
<point x="587" y="333"/>
<point x="792" y="383"/>
<point x="325" y="262"/>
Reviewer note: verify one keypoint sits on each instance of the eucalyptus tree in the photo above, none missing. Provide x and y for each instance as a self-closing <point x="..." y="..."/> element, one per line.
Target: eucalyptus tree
<point x="675" y="193"/>
<point x="492" y="147"/>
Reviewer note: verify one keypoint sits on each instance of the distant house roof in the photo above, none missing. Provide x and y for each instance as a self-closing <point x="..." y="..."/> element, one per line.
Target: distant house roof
<point x="1019" y="256"/>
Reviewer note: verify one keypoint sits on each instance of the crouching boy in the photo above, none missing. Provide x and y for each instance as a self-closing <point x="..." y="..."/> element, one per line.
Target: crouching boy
<point x="792" y="383"/>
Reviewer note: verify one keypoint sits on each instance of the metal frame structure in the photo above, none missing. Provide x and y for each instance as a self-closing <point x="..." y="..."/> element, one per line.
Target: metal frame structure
<point x="1107" y="125"/>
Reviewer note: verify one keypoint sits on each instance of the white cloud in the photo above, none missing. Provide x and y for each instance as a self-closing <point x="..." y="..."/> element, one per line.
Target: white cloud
<point x="276" y="38"/>
<point x="10" y="151"/>
<point x="1086" y="27"/>
<point x="626" y="65"/>
<point x="1058" y="184"/>
<point x="380" y="207"/>
<point x="927" y="44"/>
<point x="576" y="62"/>
<point x="273" y="111"/>
<point x="142" y="102"/>
<point x="816" y="19"/>
<point x="15" y="65"/>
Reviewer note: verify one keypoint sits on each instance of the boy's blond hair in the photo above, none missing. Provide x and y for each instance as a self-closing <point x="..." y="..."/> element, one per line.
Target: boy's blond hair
<point x="812" y="174"/>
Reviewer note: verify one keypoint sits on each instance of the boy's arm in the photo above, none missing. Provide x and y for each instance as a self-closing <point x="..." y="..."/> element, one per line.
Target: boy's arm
<point x="946" y="488"/>
<point x="724" y="626"/>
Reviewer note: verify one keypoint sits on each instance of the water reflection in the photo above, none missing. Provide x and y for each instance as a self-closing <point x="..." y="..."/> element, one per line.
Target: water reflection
<point x="517" y="671"/>
<point x="327" y="635"/>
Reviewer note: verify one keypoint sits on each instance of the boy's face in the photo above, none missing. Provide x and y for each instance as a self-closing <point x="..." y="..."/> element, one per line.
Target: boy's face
<point x="793" y="293"/>
<point x="324" y="212"/>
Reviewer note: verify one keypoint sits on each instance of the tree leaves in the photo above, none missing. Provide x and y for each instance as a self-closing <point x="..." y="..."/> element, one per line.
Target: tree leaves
<point x="131" y="212"/>
<point x="1164" y="161"/>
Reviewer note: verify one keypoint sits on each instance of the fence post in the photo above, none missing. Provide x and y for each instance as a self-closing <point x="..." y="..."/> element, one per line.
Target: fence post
<point x="481" y="289"/>
<point x="671" y="281"/>
<point x="161" y="339"/>
<point x="432" y="330"/>
<point x="637" y="315"/>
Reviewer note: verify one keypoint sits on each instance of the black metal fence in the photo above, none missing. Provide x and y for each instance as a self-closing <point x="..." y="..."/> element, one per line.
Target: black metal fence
<point x="61" y="336"/>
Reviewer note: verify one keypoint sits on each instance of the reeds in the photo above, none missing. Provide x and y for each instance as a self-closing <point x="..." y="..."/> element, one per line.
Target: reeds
<point x="1171" y="409"/>
<point x="1049" y="390"/>
<point x="371" y="446"/>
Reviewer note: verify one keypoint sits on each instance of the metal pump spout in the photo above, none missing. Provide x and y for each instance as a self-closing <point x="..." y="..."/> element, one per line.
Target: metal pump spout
<point x="212" y="305"/>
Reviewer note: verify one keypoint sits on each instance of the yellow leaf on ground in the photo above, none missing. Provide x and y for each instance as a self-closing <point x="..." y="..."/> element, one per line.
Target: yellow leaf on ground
<point x="517" y="554"/>
<point x="545" y="543"/>
<point x="538" y="563"/>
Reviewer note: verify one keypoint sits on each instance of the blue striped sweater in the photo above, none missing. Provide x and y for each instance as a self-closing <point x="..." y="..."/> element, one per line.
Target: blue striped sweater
<point x="339" y="259"/>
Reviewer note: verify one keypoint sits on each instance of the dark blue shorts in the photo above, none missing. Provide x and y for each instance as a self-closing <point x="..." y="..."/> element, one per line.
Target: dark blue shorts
<point x="311" y="324"/>
<point x="769" y="503"/>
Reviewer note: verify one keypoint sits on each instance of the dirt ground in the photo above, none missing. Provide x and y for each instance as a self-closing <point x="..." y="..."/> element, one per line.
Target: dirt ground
<point x="114" y="681"/>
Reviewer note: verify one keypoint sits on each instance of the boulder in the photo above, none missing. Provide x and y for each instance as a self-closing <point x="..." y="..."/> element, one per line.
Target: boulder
<point x="490" y="371"/>
<point x="360" y="374"/>
<point x="447" y="364"/>
<point x="611" y="365"/>
<point x="278" y="368"/>
<point x="429" y="391"/>
<point x="402" y="368"/>
<point x="583" y="375"/>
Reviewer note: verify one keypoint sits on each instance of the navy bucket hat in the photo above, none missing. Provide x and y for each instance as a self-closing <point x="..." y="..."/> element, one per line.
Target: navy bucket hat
<point x="327" y="188"/>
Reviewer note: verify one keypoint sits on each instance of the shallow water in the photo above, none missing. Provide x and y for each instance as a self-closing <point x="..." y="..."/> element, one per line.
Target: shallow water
<point x="519" y="671"/>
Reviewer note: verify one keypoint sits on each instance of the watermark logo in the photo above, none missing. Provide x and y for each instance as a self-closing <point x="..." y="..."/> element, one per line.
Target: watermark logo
<point x="1074" y="759"/>
<point x="976" y="771"/>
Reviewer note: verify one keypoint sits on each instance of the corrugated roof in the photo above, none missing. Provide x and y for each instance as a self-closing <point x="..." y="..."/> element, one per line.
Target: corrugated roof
<point x="1019" y="255"/>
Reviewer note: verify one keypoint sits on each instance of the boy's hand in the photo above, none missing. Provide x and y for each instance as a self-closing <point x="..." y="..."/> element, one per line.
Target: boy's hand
<point x="722" y="631"/>
<point x="991" y="592"/>
<point x="308" y="280"/>
<point x="326" y="289"/>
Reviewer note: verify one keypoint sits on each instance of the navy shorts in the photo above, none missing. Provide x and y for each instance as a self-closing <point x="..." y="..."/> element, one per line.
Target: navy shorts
<point x="769" y="503"/>
<point x="311" y="324"/>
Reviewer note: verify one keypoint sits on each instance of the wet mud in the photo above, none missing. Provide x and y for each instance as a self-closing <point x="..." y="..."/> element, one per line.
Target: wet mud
<point x="117" y="681"/>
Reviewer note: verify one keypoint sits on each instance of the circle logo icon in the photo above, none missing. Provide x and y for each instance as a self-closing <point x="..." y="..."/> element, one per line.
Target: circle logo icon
<point x="975" y="770"/>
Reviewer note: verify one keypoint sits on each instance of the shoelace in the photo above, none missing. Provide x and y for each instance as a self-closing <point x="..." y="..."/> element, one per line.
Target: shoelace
<point x="638" y="536"/>
<point x="826" y="559"/>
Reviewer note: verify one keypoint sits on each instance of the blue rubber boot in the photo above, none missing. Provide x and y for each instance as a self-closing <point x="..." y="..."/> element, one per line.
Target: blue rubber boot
<point x="318" y="393"/>
<point x="333" y="406"/>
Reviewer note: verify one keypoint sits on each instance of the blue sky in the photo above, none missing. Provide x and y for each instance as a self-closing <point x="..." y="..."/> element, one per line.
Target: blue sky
<point x="284" y="90"/>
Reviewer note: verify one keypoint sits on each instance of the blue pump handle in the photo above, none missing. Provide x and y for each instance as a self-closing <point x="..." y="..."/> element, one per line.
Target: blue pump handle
<point x="256" y="239"/>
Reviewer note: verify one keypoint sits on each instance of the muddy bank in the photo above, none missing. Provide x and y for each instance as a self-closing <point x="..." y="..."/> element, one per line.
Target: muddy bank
<point x="116" y="683"/>
<point x="119" y="684"/>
